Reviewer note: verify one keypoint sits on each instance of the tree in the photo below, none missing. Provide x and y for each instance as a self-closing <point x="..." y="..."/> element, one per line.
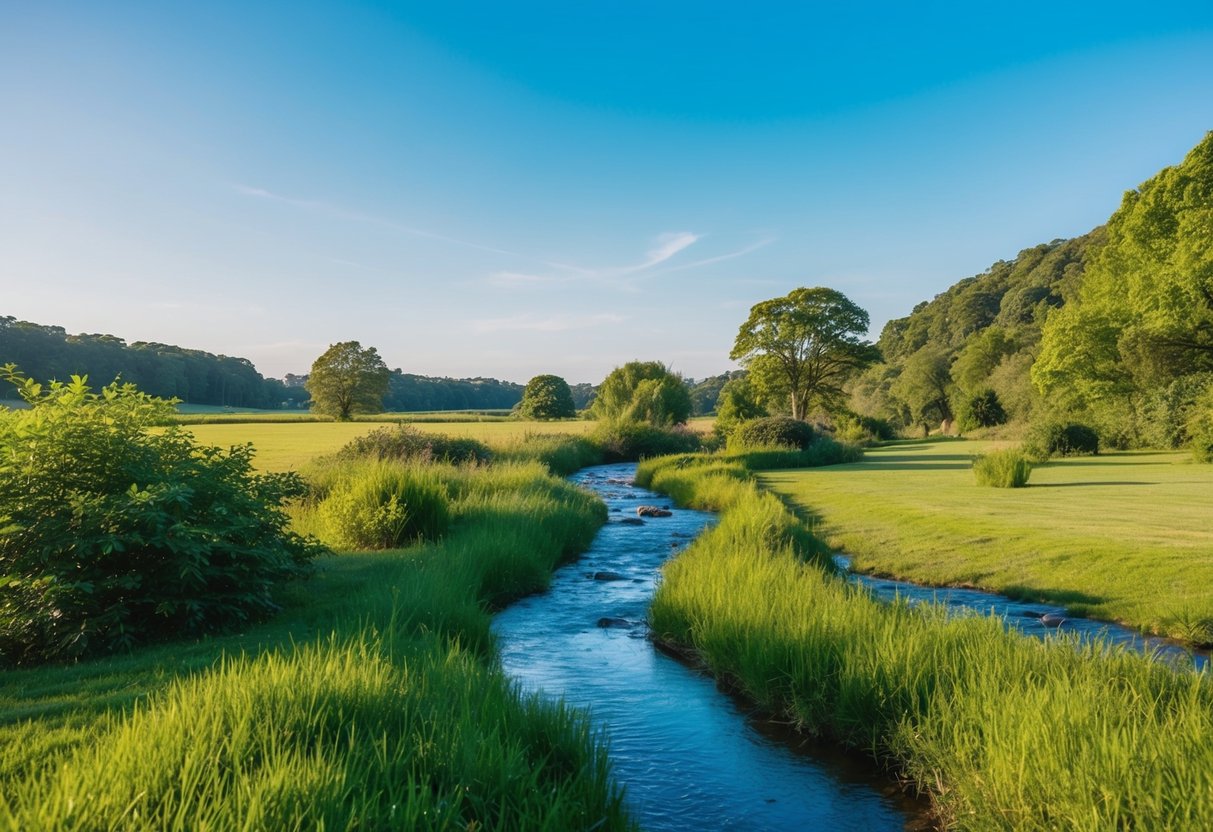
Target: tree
<point x="346" y="380"/>
<point x="925" y="385"/>
<point x="643" y="391"/>
<point x="738" y="403"/>
<point x="805" y="346"/>
<point x="547" y="397"/>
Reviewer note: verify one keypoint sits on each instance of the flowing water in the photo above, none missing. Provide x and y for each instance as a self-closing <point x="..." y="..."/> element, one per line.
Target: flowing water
<point x="689" y="756"/>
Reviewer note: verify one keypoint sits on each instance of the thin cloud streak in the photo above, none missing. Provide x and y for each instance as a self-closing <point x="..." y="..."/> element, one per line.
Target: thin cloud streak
<point x="720" y="258"/>
<point x="368" y="219"/>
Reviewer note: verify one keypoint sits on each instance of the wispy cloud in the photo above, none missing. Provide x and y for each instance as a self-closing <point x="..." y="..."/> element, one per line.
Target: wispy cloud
<point x="720" y="258"/>
<point x="368" y="219"/>
<point x="532" y="323"/>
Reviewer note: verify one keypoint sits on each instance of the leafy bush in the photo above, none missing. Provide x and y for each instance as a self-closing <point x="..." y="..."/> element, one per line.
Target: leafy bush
<point x="854" y="429"/>
<point x="1200" y="427"/>
<point x="112" y="535"/>
<point x="1002" y="469"/>
<point x="401" y="442"/>
<point x="640" y="440"/>
<point x="981" y="410"/>
<point x="547" y="397"/>
<point x="383" y="505"/>
<point x="560" y="452"/>
<point x="1049" y="439"/>
<point x="642" y="391"/>
<point x="774" y="430"/>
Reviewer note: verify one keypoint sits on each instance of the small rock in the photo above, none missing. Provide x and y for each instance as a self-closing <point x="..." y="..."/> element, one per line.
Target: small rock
<point x="614" y="622"/>
<point x="630" y="521"/>
<point x="608" y="576"/>
<point x="653" y="511"/>
<point x="1052" y="619"/>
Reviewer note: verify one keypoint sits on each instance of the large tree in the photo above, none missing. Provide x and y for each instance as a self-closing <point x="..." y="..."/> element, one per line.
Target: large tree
<point x="346" y="380"/>
<point x="643" y="391"/>
<point x="547" y="397"/>
<point x="804" y="346"/>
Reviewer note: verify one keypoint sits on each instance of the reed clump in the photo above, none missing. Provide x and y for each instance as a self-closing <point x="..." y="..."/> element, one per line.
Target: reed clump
<point x="1008" y="468"/>
<point x="1005" y="732"/>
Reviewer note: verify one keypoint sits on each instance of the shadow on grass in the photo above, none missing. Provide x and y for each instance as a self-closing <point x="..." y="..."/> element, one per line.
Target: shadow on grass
<point x="897" y="462"/>
<point x="1072" y="599"/>
<point x="1085" y="484"/>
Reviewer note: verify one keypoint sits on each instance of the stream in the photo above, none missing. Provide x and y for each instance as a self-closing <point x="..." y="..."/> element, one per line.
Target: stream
<point x="690" y="756"/>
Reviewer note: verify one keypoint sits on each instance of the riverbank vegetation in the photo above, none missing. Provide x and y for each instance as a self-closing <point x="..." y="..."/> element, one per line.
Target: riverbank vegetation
<point x="371" y="700"/>
<point x="1003" y="731"/>
<point x="1123" y="537"/>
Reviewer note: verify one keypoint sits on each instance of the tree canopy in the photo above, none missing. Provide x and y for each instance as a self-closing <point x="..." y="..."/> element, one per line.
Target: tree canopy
<point x="547" y="397"/>
<point x="643" y="391"/>
<point x="804" y="347"/>
<point x="348" y="379"/>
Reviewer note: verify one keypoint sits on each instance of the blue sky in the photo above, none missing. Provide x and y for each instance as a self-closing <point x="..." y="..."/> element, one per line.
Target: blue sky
<point x="506" y="189"/>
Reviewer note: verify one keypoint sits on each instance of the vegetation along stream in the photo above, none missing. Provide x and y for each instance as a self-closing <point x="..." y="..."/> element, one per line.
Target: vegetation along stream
<point x="689" y="756"/>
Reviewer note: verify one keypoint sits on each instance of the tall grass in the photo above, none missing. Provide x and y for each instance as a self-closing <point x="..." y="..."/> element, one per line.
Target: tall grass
<point x="378" y="705"/>
<point x="1007" y="468"/>
<point x="1004" y="731"/>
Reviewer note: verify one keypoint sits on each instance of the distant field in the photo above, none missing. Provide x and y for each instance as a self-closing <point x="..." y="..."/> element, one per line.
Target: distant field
<point x="284" y="446"/>
<point x="1123" y="536"/>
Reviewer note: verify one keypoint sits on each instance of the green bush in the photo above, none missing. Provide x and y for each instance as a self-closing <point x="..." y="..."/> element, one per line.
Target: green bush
<point x="1200" y="427"/>
<point x="981" y="410"/>
<point x="562" y="453"/>
<point x="640" y="440"/>
<point x="401" y="442"/>
<point x="774" y="430"/>
<point x="1049" y="439"/>
<point x="854" y="429"/>
<point x="113" y="535"/>
<point x="1002" y="469"/>
<point x="383" y="505"/>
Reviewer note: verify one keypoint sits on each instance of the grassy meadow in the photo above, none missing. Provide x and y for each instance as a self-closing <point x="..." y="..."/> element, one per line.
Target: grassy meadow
<point x="1121" y="536"/>
<point x="372" y="700"/>
<point x="1003" y="731"/>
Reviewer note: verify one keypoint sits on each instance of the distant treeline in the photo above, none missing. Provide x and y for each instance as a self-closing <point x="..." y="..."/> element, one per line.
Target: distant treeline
<point x="197" y="377"/>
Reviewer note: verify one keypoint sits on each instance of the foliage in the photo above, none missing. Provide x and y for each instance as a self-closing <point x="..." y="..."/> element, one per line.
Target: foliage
<point x="560" y="453"/>
<point x="705" y="394"/>
<point x="384" y="505"/>
<point x="640" y="440"/>
<point x="348" y="379"/>
<point x="403" y="442"/>
<point x="738" y="402"/>
<point x="162" y="370"/>
<point x="642" y="391"/>
<point x="1049" y="439"/>
<point x="862" y="430"/>
<point x="547" y="397"/>
<point x="1143" y="316"/>
<point x="774" y="430"/>
<point x="1002" y="469"/>
<point x="803" y="347"/>
<point x="408" y="392"/>
<point x="112" y="535"/>
<point x="981" y="410"/>
<point x="1200" y="427"/>
<point x="925" y="385"/>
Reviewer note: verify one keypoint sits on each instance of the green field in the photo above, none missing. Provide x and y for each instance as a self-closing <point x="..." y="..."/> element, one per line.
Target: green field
<point x="1122" y="536"/>
<point x="285" y="446"/>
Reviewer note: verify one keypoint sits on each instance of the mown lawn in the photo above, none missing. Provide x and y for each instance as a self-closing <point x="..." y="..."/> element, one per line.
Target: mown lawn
<point x="1121" y="536"/>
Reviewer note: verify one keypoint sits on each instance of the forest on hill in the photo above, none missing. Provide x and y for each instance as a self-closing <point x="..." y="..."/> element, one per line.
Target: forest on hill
<point x="1113" y="329"/>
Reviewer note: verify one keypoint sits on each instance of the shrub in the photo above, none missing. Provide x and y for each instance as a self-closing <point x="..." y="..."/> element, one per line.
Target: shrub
<point x="402" y="442"/>
<point x="1002" y="469"/>
<point x="112" y="535"/>
<point x="1200" y="427"/>
<point x="982" y="410"/>
<point x="862" y="430"/>
<point x="383" y="505"/>
<point x="560" y="452"/>
<point x="1049" y="439"/>
<point x="643" y="391"/>
<point x="775" y="430"/>
<point x="640" y="440"/>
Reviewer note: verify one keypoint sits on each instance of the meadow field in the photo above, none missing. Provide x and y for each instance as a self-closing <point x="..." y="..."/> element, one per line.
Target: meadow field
<point x="372" y="699"/>
<point x="1122" y="536"/>
<point x="1003" y="731"/>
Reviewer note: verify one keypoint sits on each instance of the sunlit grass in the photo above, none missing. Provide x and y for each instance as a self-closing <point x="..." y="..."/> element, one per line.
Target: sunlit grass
<point x="1005" y="732"/>
<point x="1122" y="536"/>
<point x="371" y="701"/>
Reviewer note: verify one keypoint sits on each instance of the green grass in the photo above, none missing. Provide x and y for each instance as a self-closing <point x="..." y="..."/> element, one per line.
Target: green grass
<point x="371" y="701"/>
<point x="290" y="445"/>
<point x="1008" y="468"/>
<point x="1123" y="536"/>
<point x="1005" y="732"/>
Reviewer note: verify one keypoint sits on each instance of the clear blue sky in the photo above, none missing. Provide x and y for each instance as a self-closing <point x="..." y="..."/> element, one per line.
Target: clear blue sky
<point x="506" y="189"/>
